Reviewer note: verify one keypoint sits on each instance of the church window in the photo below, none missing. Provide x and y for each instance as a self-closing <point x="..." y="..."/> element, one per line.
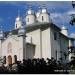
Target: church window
<point x="42" y="18"/>
<point x="55" y="36"/>
<point x="15" y="58"/>
<point x="4" y="60"/>
<point x="16" y="25"/>
<point x="9" y="47"/>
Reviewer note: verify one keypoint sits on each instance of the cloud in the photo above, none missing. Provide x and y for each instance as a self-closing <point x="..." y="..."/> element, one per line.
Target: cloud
<point x="60" y="18"/>
<point x="71" y="12"/>
<point x="53" y="7"/>
<point x="55" y="15"/>
<point x="59" y="10"/>
<point x="72" y="35"/>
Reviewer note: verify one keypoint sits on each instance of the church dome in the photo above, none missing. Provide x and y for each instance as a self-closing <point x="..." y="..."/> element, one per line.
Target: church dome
<point x="18" y="22"/>
<point x="18" y="18"/>
<point x="44" y="15"/>
<point x="63" y="28"/>
<point x="30" y="17"/>
<point x="30" y="11"/>
<point x="44" y="9"/>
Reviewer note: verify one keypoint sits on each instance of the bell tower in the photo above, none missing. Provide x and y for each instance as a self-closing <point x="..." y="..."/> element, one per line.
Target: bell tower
<point x="30" y="17"/>
<point x="43" y="15"/>
<point x="18" y="22"/>
<point x="64" y="31"/>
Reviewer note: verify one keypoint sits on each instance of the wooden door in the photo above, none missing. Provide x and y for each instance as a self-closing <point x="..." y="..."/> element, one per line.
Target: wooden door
<point x="9" y="60"/>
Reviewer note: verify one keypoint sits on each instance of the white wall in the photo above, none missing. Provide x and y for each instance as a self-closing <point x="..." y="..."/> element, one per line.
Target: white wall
<point x="30" y="51"/>
<point x="15" y="47"/>
<point x="46" y="44"/>
<point x="64" y="46"/>
<point x="46" y="18"/>
<point x="18" y="24"/>
<point x="30" y="19"/>
<point x="35" y="40"/>
<point x="55" y="44"/>
<point x="21" y="48"/>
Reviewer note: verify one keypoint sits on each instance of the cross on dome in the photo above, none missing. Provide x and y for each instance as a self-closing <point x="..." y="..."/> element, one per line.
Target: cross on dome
<point x="44" y="9"/>
<point x="30" y="11"/>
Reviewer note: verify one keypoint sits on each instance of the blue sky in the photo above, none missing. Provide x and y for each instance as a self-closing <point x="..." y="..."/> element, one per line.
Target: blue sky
<point x="60" y="12"/>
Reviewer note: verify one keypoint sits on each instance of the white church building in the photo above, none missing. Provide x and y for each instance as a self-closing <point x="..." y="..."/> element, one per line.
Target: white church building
<point x="38" y="38"/>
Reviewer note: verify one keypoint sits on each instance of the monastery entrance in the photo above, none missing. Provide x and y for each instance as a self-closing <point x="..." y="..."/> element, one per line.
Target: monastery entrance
<point x="9" y="60"/>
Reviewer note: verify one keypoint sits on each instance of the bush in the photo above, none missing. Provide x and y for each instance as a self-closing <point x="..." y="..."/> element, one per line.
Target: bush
<point x="38" y="66"/>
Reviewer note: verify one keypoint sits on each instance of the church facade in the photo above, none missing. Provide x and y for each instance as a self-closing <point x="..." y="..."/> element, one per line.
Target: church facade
<point x="38" y="38"/>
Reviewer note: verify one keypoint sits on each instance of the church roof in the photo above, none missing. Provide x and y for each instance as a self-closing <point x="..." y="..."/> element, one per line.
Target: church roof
<point x="67" y="37"/>
<point x="34" y="26"/>
<point x="43" y="25"/>
<point x="14" y="32"/>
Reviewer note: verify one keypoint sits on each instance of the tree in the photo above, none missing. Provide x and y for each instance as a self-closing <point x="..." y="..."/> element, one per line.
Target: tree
<point x="73" y="15"/>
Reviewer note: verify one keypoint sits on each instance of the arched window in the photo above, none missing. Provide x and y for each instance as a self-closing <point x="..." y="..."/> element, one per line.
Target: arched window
<point x="4" y="60"/>
<point x="42" y="18"/>
<point x="16" y="25"/>
<point x="9" y="47"/>
<point x="15" y="58"/>
<point x="55" y="36"/>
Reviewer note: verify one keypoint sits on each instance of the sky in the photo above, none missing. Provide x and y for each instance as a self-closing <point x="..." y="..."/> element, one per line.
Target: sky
<point x="60" y="12"/>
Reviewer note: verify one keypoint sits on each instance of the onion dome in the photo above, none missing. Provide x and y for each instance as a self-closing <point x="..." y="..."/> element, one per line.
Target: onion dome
<point x="63" y="28"/>
<point x="44" y="9"/>
<point x="30" y="11"/>
<point x="18" y="18"/>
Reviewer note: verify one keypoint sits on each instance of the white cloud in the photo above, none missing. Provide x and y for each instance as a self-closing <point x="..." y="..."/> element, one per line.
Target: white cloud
<point x="55" y="15"/>
<point x="60" y="18"/>
<point x="72" y="35"/>
<point x="71" y="12"/>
